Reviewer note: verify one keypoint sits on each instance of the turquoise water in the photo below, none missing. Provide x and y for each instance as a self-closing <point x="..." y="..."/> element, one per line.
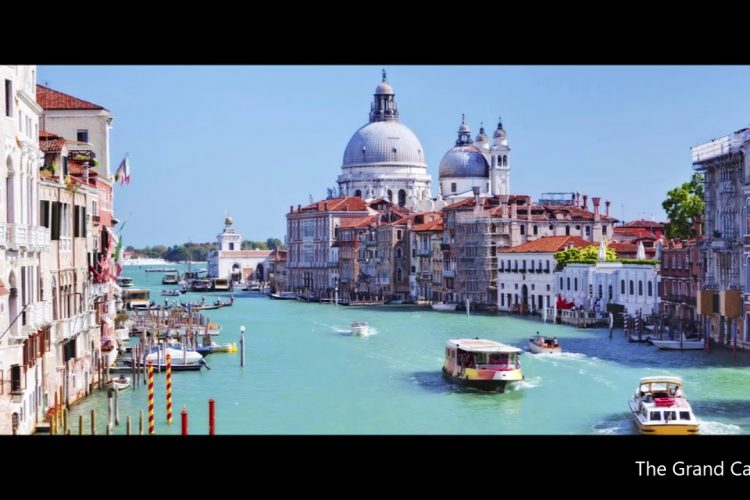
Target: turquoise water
<point x="303" y="375"/>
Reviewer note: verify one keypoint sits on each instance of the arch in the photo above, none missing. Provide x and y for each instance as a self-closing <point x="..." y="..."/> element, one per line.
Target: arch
<point x="524" y="297"/>
<point x="390" y="196"/>
<point x="236" y="273"/>
<point x="401" y="197"/>
<point x="746" y="338"/>
<point x="259" y="272"/>
<point x="358" y="193"/>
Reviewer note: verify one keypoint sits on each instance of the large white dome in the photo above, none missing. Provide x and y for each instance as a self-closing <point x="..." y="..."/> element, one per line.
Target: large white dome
<point x="384" y="143"/>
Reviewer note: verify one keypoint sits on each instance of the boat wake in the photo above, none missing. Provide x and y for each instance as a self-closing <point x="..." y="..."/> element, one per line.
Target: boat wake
<point x="529" y="383"/>
<point x="612" y="430"/>
<point x="718" y="428"/>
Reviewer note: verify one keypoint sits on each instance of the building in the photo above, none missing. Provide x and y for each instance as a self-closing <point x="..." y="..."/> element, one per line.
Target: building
<point x="312" y="259"/>
<point x="25" y="308"/>
<point x="725" y="165"/>
<point x="230" y="262"/>
<point x="426" y="273"/>
<point x="681" y="279"/>
<point x="384" y="159"/>
<point x="277" y="270"/>
<point x="526" y="273"/>
<point x="475" y="164"/>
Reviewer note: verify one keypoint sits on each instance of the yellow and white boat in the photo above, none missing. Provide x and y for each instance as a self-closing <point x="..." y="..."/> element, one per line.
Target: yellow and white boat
<point x="482" y="364"/>
<point x="659" y="407"/>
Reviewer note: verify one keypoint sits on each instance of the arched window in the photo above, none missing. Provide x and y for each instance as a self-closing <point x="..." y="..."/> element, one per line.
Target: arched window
<point x="401" y="198"/>
<point x="390" y="196"/>
<point x="632" y="288"/>
<point x="358" y="193"/>
<point x="523" y="229"/>
<point x="398" y="254"/>
<point x="640" y="287"/>
<point x="567" y="230"/>
<point x="399" y="274"/>
<point x="650" y="289"/>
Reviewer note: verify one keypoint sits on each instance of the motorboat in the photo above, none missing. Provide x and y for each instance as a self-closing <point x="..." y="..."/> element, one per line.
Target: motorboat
<point x="284" y="296"/>
<point x="680" y="345"/>
<point x="170" y="293"/>
<point x="121" y="383"/>
<point x="221" y="285"/>
<point x="540" y="344"/>
<point x="659" y="407"/>
<point x="125" y="282"/>
<point x="482" y="364"/>
<point x="170" y="279"/>
<point x="441" y="306"/>
<point x="360" y="328"/>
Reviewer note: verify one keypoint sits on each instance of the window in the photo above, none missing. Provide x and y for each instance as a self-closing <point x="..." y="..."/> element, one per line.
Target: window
<point x="561" y="283"/>
<point x="9" y="98"/>
<point x="575" y="284"/>
<point x="600" y="291"/>
<point x="398" y="237"/>
<point x="358" y="193"/>
<point x="568" y="283"/>
<point x="414" y="269"/>
<point x="398" y="252"/>
<point x="640" y="287"/>
<point x="588" y="230"/>
<point x="604" y="229"/>
<point x="622" y="287"/>
<point x="632" y="288"/>
<point x="650" y="289"/>
<point x="610" y="293"/>
<point x="44" y="213"/>
<point x="567" y="230"/>
<point x="523" y="230"/>
<point x="231" y="246"/>
<point x="453" y="187"/>
<point x="82" y="135"/>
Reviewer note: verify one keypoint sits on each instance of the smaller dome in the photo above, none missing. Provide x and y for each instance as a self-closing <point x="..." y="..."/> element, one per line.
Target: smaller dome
<point x="464" y="128"/>
<point x="464" y="161"/>
<point x="228" y="221"/>
<point x="481" y="136"/>
<point x="499" y="134"/>
<point x="384" y="88"/>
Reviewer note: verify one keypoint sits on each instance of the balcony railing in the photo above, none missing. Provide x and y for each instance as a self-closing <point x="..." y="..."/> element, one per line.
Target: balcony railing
<point x="18" y="236"/>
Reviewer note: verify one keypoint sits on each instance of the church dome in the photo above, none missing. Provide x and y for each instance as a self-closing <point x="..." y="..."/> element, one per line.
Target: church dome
<point x="464" y="161"/>
<point x="384" y="88"/>
<point x="228" y="221"/>
<point x="384" y="142"/>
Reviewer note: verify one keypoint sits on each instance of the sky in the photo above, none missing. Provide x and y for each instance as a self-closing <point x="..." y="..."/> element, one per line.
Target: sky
<point x="253" y="140"/>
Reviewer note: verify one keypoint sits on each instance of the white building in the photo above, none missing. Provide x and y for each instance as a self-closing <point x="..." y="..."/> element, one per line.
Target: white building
<point x="229" y="261"/>
<point x="471" y="164"/>
<point x="526" y="280"/>
<point x="384" y="159"/>
<point x="25" y="311"/>
<point x="634" y="286"/>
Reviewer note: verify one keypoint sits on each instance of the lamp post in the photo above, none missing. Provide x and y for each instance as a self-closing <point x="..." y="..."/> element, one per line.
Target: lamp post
<point x="242" y="345"/>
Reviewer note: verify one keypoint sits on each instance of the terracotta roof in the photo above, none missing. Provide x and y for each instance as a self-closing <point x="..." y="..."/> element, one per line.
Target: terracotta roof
<point x="550" y="244"/>
<point x="52" y="145"/>
<point x="359" y="221"/>
<point x="48" y="98"/>
<point x="48" y="135"/>
<point x="436" y="225"/>
<point x="347" y="204"/>
<point x="635" y="232"/>
<point x="645" y="223"/>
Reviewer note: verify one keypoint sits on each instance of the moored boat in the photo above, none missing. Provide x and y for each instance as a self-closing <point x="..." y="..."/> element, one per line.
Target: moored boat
<point x="482" y="364"/>
<point x="121" y="383"/>
<point x="540" y="344"/>
<point x="680" y="345"/>
<point x="440" y="306"/>
<point x="284" y="296"/>
<point x="170" y="279"/>
<point x="659" y="407"/>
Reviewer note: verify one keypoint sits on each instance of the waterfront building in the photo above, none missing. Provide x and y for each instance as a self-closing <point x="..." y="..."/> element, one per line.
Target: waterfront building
<point x="277" y="270"/>
<point x="725" y="165"/>
<point x="312" y="259"/>
<point x="596" y="286"/>
<point x="352" y="237"/>
<point x="229" y="261"/>
<point x="681" y="279"/>
<point x="25" y="309"/>
<point x="526" y="277"/>
<point x="392" y="255"/>
<point x="384" y="159"/>
<point x="426" y="274"/>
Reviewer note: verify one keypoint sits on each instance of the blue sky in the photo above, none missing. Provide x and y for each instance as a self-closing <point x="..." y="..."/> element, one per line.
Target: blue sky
<point x="254" y="140"/>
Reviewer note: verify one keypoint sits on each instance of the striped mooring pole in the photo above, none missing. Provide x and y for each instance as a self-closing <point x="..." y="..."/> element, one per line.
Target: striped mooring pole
<point x="150" y="398"/>
<point x="169" y="388"/>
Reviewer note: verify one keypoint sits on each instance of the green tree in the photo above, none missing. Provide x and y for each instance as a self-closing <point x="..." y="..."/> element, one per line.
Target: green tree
<point x="682" y="204"/>
<point x="582" y="255"/>
<point x="253" y="245"/>
<point x="274" y="243"/>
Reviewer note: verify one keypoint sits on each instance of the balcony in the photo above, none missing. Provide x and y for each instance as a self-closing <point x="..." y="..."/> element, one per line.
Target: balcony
<point x="449" y="273"/>
<point x="34" y="238"/>
<point x="424" y="252"/>
<point x="18" y="236"/>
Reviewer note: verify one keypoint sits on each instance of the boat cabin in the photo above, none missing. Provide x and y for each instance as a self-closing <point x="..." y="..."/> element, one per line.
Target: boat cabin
<point x="481" y="363"/>
<point x="220" y="285"/>
<point x="125" y="282"/>
<point x="136" y="299"/>
<point x="170" y="279"/>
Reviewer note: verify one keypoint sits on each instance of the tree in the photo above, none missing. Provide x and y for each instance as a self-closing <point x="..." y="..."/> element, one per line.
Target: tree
<point x="682" y="204"/>
<point x="274" y="243"/>
<point x="582" y="255"/>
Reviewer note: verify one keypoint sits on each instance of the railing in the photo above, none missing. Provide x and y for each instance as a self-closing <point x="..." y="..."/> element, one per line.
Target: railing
<point x="424" y="252"/>
<point x="18" y="235"/>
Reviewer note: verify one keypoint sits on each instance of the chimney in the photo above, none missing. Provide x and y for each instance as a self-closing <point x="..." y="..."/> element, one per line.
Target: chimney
<point x="607" y="204"/>
<point x="595" y="200"/>
<point x="585" y="202"/>
<point x="325" y="206"/>
<point x="698" y="226"/>
<point x="578" y="199"/>
<point x="299" y="208"/>
<point x="291" y="209"/>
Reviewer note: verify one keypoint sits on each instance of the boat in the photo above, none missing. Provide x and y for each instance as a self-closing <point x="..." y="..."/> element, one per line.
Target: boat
<point x="125" y="282"/>
<point x="360" y="328"/>
<point x="441" y="306"/>
<point x="121" y="383"/>
<point x="170" y="293"/>
<point x="659" y="407"/>
<point x="540" y="344"/>
<point x="136" y="298"/>
<point x="482" y="364"/>
<point x="284" y="296"/>
<point x="220" y="285"/>
<point x="200" y="285"/>
<point x="161" y="270"/>
<point x="680" y="345"/>
<point x="643" y="338"/>
<point x="230" y="347"/>
<point x="170" y="279"/>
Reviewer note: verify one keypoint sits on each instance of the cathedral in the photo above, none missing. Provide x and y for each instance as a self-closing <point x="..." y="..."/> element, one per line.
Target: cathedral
<point x="385" y="160"/>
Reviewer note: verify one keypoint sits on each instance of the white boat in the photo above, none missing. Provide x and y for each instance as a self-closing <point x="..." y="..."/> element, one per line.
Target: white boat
<point x="178" y="356"/>
<point x="121" y="383"/>
<point x="284" y="296"/>
<point x="540" y="344"/>
<point x="360" y="328"/>
<point x="125" y="282"/>
<point x="659" y="407"/>
<point x="680" y="345"/>
<point x="441" y="306"/>
<point x="170" y="279"/>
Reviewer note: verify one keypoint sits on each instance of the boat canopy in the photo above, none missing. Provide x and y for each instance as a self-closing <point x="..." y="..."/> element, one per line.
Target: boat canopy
<point x="661" y="379"/>
<point x="481" y="345"/>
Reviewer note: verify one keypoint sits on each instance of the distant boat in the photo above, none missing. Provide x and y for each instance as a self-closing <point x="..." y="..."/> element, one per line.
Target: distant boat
<point x="441" y="306"/>
<point x="360" y="328"/>
<point x="540" y="344"/>
<point x="161" y="270"/>
<point x="121" y="383"/>
<point x="125" y="282"/>
<point x="284" y="296"/>
<point x="679" y="345"/>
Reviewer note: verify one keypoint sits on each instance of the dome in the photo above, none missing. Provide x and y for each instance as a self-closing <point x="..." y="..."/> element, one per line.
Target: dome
<point x="388" y="142"/>
<point x="499" y="134"/>
<point x="384" y="88"/>
<point x="464" y="161"/>
<point x="228" y="221"/>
